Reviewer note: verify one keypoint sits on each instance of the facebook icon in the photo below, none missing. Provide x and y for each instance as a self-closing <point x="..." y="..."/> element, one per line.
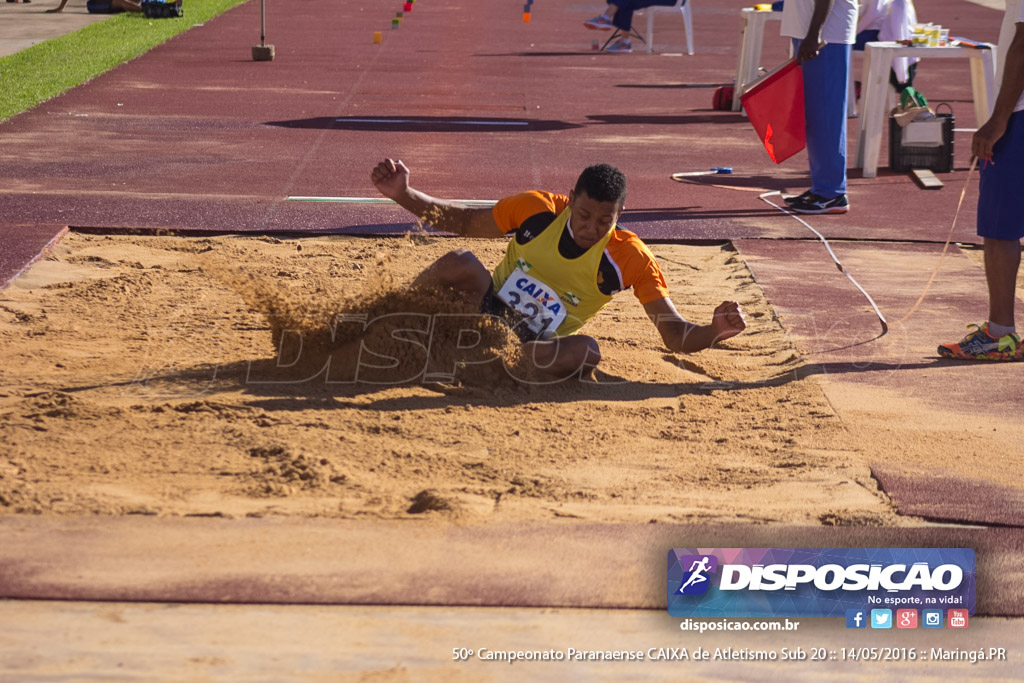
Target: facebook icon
<point x="856" y="618"/>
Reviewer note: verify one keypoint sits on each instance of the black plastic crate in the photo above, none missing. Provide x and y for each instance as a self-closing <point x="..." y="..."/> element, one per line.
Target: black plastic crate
<point x="938" y="159"/>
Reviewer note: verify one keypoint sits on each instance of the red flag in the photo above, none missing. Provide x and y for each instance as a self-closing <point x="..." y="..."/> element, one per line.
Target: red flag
<point x="775" y="106"/>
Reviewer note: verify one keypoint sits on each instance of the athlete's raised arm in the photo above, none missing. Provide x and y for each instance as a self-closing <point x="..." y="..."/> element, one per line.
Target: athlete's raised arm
<point x="391" y="178"/>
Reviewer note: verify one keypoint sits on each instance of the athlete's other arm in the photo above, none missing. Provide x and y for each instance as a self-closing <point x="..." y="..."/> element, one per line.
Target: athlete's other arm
<point x="391" y="178"/>
<point x="681" y="336"/>
<point x="1009" y="92"/>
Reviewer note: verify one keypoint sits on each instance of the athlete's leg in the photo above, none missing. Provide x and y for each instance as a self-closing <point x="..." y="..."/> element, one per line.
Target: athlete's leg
<point x="623" y="18"/>
<point x="460" y="270"/>
<point x="564" y="357"/>
<point x="1002" y="260"/>
<point x="1000" y="220"/>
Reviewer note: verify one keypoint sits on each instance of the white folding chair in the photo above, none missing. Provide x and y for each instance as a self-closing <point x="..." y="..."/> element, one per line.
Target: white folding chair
<point x="680" y="6"/>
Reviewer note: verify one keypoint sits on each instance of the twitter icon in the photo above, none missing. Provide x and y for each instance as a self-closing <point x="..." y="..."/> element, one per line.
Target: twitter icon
<point x="881" y="618"/>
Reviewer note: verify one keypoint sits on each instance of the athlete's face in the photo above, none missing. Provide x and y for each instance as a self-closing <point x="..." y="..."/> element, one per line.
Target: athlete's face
<point x="591" y="220"/>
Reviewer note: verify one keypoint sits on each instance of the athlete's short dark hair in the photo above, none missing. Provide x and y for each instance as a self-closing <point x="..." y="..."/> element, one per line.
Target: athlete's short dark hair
<point x="603" y="183"/>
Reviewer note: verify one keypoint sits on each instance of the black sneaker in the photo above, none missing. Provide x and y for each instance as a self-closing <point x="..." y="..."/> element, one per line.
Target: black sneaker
<point x="789" y="199"/>
<point x="812" y="203"/>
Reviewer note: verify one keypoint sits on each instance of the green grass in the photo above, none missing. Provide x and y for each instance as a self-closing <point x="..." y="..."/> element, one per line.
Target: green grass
<point x="46" y="70"/>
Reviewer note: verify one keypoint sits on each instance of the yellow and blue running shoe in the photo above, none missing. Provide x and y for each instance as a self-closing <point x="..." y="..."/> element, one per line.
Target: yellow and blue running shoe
<point x="980" y="345"/>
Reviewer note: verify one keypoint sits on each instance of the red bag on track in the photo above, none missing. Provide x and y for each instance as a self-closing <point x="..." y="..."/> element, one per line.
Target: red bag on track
<point x="722" y="101"/>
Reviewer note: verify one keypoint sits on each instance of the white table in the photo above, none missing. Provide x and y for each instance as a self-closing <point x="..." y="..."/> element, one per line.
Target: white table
<point x="875" y="90"/>
<point x="751" y="42"/>
<point x="751" y="39"/>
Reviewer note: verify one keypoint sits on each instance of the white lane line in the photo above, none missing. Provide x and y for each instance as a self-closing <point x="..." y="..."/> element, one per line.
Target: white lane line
<point x="382" y="200"/>
<point x="451" y="122"/>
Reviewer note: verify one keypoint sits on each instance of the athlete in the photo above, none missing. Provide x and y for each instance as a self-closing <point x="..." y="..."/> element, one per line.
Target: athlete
<point x="566" y="260"/>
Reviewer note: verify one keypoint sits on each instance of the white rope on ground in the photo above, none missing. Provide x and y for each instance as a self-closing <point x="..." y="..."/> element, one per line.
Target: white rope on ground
<point x="935" y="271"/>
<point x="839" y="265"/>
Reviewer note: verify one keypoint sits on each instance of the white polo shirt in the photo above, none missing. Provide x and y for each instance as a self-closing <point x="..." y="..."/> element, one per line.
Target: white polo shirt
<point x="873" y="14"/>
<point x="840" y="26"/>
<point x="1013" y="17"/>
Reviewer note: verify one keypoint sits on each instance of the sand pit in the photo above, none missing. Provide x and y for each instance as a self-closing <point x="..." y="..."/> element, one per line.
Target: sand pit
<point x="137" y="381"/>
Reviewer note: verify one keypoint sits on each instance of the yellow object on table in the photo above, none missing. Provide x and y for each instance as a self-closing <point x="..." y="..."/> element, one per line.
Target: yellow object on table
<point x="763" y="7"/>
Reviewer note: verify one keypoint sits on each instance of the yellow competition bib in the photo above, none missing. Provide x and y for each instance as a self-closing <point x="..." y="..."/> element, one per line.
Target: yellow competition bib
<point x="538" y="304"/>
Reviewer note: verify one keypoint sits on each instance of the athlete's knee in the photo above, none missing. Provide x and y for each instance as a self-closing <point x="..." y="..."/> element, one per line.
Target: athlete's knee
<point x="589" y="352"/>
<point x="462" y="262"/>
<point x="459" y="256"/>
<point x="459" y="267"/>
<point x="580" y="353"/>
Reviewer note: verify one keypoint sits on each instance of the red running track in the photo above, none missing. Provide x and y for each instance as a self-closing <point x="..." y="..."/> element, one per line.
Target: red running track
<point x="195" y="135"/>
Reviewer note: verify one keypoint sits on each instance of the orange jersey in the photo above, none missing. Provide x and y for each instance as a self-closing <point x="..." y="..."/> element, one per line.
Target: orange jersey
<point x="626" y="263"/>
